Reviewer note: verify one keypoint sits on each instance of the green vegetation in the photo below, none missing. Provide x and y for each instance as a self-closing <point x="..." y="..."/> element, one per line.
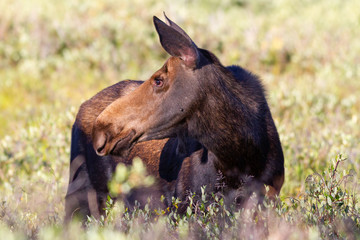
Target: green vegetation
<point x="56" y="54"/>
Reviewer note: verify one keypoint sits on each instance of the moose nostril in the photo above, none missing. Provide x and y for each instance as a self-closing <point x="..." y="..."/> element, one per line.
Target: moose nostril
<point x="100" y="143"/>
<point x="100" y="149"/>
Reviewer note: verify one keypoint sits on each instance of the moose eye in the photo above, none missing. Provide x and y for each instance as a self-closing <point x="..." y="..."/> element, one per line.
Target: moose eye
<point x="158" y="82"/>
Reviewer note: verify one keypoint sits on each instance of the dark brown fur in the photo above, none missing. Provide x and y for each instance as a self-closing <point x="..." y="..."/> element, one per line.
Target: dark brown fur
<point x="90" y="173"/>
<point x="216" y="117"/>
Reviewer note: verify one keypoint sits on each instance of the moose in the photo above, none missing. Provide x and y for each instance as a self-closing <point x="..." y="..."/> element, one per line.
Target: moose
<point x="191" y="120"/>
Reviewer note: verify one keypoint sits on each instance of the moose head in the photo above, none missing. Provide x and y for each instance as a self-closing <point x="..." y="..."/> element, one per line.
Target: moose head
<point x="163" y="104"/>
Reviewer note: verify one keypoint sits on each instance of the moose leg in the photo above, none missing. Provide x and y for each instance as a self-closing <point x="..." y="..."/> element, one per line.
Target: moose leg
<point x="79" y="191"/>
<point x="87" y="191"/>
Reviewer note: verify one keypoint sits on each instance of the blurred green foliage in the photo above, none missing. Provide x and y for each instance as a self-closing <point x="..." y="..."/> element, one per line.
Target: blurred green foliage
<point x="129" y="177"/>
<point x="56" y="54"/>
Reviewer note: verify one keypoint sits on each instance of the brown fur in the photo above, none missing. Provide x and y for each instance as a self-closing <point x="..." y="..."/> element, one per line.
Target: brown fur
<point x="194" y="114"/>
<point x="223" y="108"/>
<point x="89" y="173"/>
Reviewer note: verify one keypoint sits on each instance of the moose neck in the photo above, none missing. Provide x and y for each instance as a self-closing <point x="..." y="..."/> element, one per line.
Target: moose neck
<point x="228" y="119"/>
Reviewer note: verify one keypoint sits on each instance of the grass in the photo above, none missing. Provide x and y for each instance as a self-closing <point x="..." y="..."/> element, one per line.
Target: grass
<point x="54" y="55"/>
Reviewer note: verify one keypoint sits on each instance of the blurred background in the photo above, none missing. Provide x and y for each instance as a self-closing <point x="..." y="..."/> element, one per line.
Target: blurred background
<point x="56" y="54"/>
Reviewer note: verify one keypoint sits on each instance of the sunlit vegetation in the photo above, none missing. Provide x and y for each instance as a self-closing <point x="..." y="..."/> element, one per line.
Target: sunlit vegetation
<point x="56" y="54"/>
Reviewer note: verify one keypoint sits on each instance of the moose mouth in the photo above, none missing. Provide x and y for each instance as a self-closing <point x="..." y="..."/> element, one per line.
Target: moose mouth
<point x="124" y="145"/>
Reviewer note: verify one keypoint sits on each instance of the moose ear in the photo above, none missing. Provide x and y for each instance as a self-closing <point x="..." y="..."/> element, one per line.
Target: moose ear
<point x="176" y="42"/>
<point x="177" y="28"/>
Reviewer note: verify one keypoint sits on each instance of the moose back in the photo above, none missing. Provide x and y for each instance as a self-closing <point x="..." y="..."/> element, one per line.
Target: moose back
<point x="192" y="120"/>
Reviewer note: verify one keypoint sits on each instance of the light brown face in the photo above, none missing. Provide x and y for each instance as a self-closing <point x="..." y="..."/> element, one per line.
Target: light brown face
<point x="160" y="106"/>
<point x="154" y="110"/>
